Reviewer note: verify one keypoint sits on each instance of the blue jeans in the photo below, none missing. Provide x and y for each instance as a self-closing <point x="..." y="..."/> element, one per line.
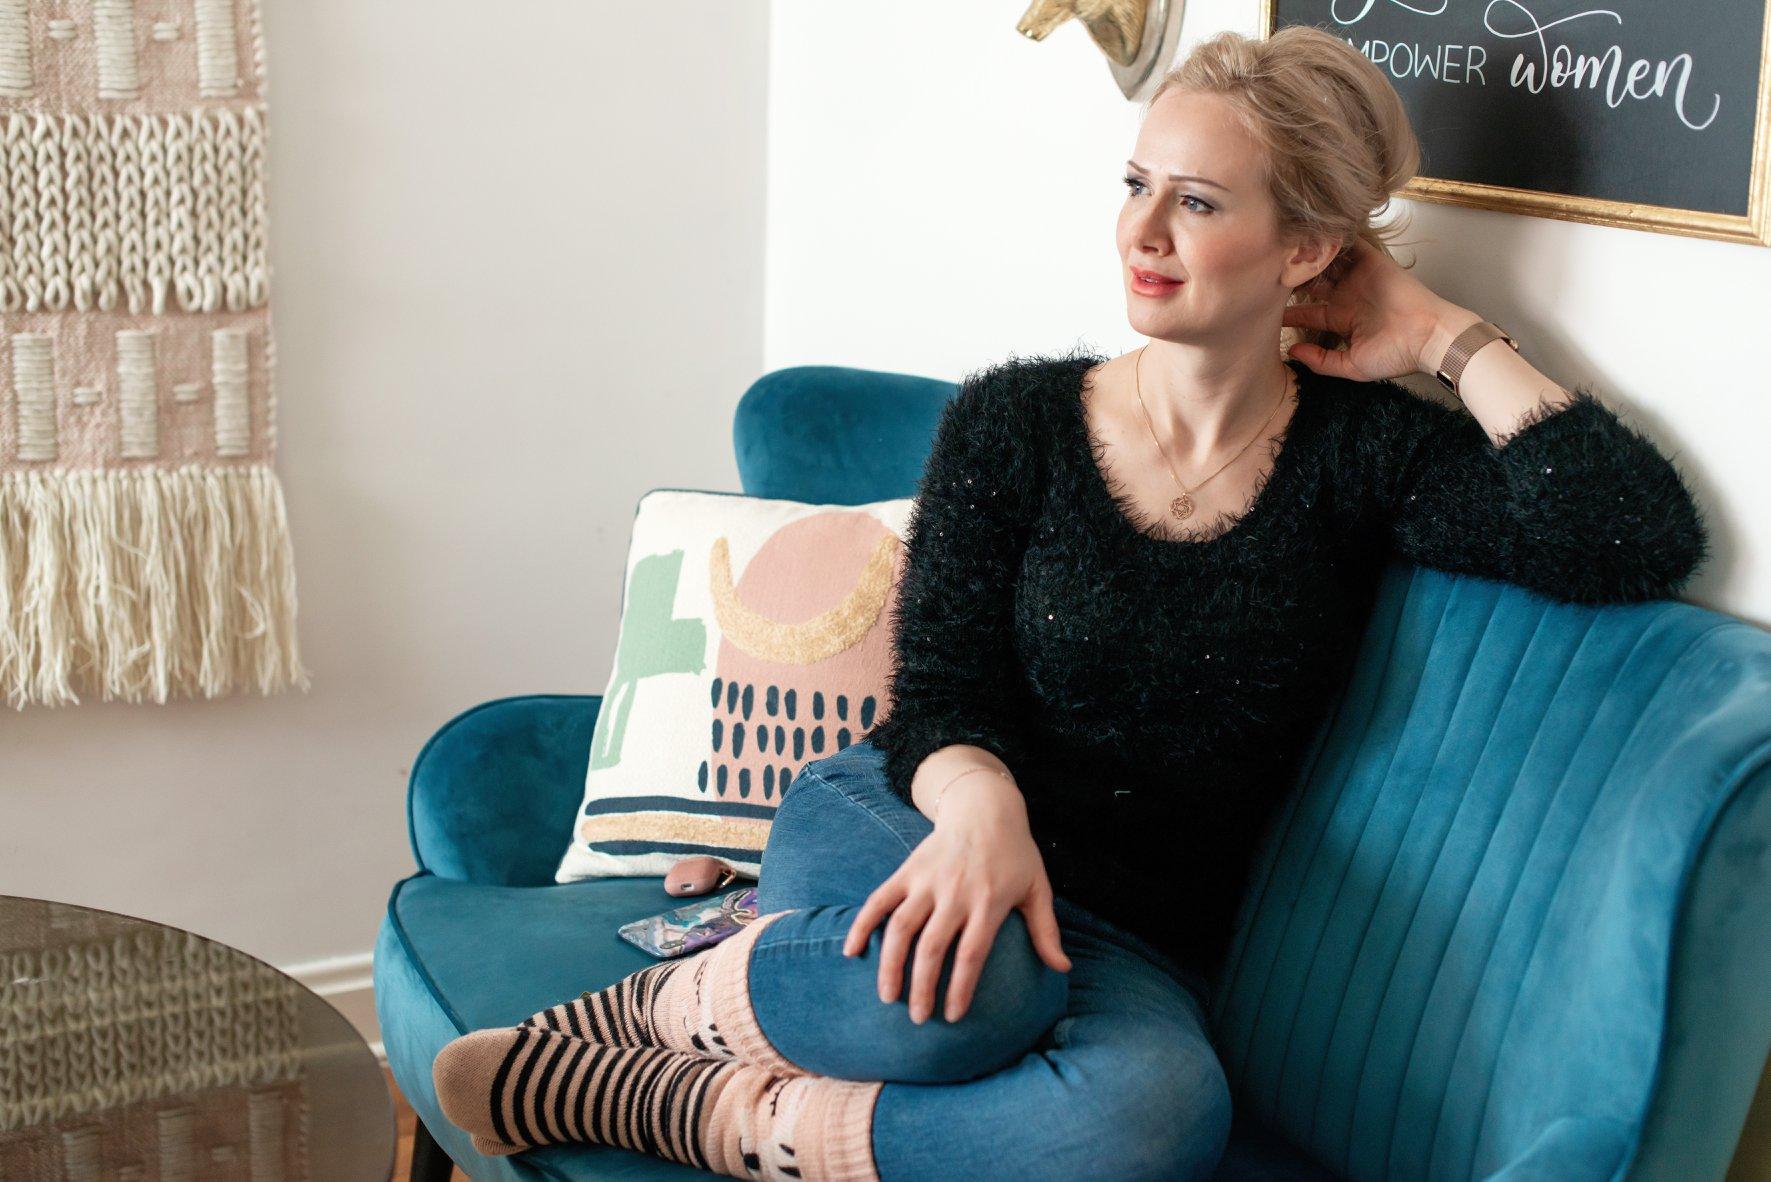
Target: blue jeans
<point x="1102" y="1072"/>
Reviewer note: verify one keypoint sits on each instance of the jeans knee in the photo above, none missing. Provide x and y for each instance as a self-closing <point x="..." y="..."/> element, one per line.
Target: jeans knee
<point x="1171" y="1110"/>
<point x="794" y="801"/>
<point x="812" y="798"/>
<point x="847" y="760"/>
<point x="1016" y="999"/>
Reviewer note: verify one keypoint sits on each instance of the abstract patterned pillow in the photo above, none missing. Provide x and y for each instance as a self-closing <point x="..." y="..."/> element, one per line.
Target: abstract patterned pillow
<point x="755" y="637"/>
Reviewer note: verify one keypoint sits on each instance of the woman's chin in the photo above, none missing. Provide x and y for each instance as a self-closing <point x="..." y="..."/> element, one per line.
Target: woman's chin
<point x="1150" y="322"/>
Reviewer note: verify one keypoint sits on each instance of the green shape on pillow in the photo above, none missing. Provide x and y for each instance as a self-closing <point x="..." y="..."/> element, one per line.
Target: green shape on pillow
<point x="652" y="643"/>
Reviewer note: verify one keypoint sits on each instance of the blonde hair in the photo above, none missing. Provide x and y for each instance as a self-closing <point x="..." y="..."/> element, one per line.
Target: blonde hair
<point x="1337" y="139"/>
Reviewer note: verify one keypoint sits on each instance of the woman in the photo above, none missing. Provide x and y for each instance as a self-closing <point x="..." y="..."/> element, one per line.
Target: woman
<point x="1133" y="584"/>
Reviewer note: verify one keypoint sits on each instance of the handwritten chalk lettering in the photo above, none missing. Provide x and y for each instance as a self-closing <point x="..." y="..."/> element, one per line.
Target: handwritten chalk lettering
<point x="1360" y="9"/>
<point x="1559" y="66"/>
<point x="1447" y="63"/>
<point x="1549" y="66"/>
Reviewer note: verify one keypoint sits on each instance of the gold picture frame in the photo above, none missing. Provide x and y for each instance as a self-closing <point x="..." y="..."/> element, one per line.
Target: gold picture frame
<point x="1753" y="227"/>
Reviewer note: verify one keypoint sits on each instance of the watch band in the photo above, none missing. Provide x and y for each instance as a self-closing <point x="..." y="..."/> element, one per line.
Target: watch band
<point x="1451" y="369"/>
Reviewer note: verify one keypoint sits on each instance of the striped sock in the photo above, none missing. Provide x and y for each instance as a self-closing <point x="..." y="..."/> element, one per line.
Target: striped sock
<point x="619" y="1016"/>
<point x="699" y="1004"/>
<point x="513" y="1088"/>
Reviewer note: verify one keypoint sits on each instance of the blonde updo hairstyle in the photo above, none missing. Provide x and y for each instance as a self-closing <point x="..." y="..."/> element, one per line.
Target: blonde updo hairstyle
<point x="1337" y="137"/>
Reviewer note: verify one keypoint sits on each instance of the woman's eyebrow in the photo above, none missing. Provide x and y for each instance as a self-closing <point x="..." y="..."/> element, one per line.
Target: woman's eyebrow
<point x="1175" y="176"/>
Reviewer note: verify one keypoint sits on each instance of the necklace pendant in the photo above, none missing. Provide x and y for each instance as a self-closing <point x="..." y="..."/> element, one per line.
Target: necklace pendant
<point x="1181" y="507"/>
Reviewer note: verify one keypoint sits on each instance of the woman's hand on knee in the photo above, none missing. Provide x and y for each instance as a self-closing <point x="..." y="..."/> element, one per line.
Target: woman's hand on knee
<point x="978" y="864"/>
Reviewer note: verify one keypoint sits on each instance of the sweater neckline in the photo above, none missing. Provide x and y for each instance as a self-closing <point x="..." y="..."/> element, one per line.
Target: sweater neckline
<point x="1127" y="517"/>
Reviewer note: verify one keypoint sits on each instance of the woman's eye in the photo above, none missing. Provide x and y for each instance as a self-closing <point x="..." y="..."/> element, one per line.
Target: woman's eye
<point x="1134" y="184"/>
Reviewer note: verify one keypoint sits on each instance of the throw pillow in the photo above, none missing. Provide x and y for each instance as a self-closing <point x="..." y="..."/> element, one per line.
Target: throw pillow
<point x="755" y="637"/>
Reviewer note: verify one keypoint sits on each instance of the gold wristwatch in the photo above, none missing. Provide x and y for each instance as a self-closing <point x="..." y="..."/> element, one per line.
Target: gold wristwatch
<point x="1451" y="369"/>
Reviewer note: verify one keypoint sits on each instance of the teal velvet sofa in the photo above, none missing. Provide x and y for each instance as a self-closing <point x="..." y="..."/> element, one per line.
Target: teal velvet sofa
<point x="1513" y="922"/>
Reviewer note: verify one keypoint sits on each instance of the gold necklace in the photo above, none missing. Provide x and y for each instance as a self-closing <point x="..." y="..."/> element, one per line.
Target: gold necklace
<point x="1182" y="506"/>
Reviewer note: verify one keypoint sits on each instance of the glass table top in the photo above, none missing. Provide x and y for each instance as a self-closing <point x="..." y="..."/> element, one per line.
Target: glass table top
<point x="137" y="1052"/>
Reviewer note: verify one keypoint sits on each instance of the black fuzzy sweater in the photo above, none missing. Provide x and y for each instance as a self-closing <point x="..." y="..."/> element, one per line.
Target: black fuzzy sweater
<point x="1152" y="695"/>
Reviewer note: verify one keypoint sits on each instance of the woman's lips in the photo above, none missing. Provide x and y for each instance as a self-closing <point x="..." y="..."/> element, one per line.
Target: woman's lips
<point x="1148" y="283"/>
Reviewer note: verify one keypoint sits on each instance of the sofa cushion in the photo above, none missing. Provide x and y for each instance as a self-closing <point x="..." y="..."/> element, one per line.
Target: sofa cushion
<point x="493" y="955"/>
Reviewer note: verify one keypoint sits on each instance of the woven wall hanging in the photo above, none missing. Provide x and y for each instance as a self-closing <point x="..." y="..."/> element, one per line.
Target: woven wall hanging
<point x="144" y="550"/>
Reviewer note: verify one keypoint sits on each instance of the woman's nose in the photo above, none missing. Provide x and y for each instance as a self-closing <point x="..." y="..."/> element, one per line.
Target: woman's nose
<point x="1152" y="232"/>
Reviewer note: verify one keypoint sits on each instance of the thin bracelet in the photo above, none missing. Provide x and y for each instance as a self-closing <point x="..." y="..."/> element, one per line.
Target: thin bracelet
<point x="936" y="815"/>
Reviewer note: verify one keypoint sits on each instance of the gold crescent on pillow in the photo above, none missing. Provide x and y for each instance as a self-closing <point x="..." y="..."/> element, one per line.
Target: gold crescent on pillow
<point x="825" y="634"/>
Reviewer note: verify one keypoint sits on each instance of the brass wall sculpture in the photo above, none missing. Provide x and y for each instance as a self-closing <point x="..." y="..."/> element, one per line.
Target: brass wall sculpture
<point x="1138" y="36"/>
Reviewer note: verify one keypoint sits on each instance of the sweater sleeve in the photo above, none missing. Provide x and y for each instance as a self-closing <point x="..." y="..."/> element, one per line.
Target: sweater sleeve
<point x="1572" y="503"/>
<point x="955" y="676"/>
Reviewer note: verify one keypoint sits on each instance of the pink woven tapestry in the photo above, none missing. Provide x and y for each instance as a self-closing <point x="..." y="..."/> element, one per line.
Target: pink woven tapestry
<point x="144" y="551"/>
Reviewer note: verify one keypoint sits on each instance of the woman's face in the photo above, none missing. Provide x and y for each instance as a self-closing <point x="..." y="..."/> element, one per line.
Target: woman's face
<point x="1197" y="210"/>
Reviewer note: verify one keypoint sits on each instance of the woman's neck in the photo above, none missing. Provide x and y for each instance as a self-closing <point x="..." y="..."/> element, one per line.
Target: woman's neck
<point x="1204" y="402"/>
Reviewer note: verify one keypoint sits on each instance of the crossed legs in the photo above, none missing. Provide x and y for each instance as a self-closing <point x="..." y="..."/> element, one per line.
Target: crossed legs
<point x="1106" y="1071"/>
<point x="770" y="1055"/>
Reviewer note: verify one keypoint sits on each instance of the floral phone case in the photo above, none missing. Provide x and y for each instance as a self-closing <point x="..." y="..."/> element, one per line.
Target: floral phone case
<point x="693" y="926"/>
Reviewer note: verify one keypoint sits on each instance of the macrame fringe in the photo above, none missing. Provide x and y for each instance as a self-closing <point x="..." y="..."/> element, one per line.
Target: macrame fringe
<point x="145" y="584"/>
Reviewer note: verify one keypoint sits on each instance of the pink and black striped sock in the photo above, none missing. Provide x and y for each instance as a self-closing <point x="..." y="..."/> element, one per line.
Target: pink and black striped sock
<point x="514" y="1088"/>
<point x="699" y="1004"/>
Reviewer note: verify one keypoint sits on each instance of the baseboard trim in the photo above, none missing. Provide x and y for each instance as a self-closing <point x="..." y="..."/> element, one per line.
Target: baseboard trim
<point x="348" y="983"/>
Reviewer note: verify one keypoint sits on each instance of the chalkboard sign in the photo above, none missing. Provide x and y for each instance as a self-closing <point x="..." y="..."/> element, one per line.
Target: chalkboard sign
<point x="1651" y="114"/>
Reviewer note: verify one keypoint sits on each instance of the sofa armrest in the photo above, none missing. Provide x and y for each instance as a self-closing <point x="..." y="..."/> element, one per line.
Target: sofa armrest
<point x="1516" y="921"/>
<point x="1661" y="933"/>
<point x="493" y="793"/>
<point x="1717" y="1031"/>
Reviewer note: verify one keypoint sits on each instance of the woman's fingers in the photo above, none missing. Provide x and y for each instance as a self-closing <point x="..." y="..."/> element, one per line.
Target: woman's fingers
<point x="968" y="961"/>
<point x="1317" y="315"/>
<point x="931" y="952"/>
<point x="900" y="929"/>
<point x="885" y="896"/>
<point x="1333" y="362"/>
<point x="1042" y="924"/>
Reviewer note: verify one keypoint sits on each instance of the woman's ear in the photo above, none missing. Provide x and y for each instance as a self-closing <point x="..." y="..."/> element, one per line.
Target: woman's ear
<point x="1338" y="257"/>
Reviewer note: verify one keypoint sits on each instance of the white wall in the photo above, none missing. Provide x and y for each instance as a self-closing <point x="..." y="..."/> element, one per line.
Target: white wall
<point x="942" y="193"/>
<point x="517" y="281"/>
